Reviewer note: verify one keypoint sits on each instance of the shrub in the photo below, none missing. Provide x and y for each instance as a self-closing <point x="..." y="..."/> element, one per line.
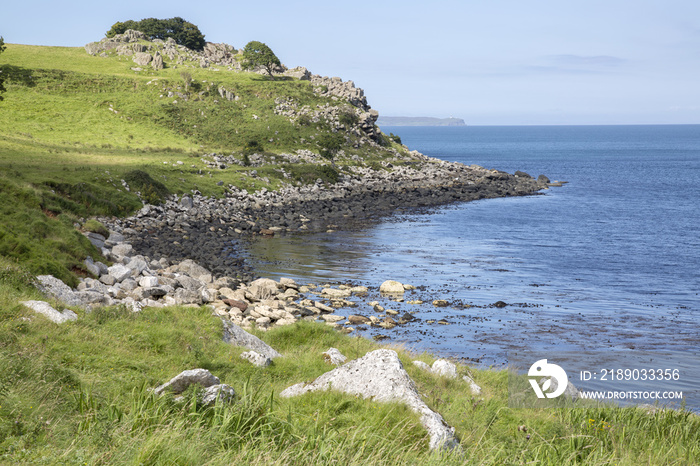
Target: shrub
<point x="152" y="191"/>
<point x="330" y="144"/>
<point x="181" y="31"/>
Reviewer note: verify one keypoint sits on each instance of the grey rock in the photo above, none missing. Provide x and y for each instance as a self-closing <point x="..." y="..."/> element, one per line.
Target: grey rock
<point x="138" y="264"/>
<point x="122" y="250"/>
<point x="542" y="179"/>
<point x="186" y="202"/>
<point x="189" y="283"/>
<point x="473" y="386"/>
<point x="91" y="266"/>
<point x="55" y="288"/>
<point x="44" y="308"/>
<point x="380" y="375"/>
<point x="96" y="239"/>
<point x="422" y="365"/>
<point x="120" y="272"/>
<point x="256" y="359"/>
<point x="108" y="280"/>
<point x="391" y="287"/>
<point x="235" y="335"/>
<point x="334" y="356"/>
<point x="221" y="392"/>
<point x="157" y="63"/>
<point x="184" y="379"/>
<point x="262" y="288"/>
<point x="114" y="238"/>
<point x="142" y="59"/>
<point x="194" y="270"/>
<point x="186" y="296"/>
<point x="445" y="368"/>
<point x="521" y="174"/>
<point x="148" y="282"/>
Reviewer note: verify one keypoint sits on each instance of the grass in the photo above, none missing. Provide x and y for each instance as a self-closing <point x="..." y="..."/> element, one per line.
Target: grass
<point x="78" y="393"/>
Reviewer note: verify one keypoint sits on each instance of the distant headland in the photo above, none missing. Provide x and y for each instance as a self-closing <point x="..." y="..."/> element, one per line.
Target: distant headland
<point x="419" y="121"/>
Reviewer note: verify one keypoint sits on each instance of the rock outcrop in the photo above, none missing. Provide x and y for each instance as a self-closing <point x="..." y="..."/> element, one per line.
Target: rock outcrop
<point x="380" y="375"/>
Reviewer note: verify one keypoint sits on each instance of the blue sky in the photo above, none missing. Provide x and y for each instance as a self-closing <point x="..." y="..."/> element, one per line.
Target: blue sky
<point x="498" y="62"/>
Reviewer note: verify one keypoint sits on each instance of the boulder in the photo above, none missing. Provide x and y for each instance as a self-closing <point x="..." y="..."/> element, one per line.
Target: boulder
<point x="475" y="389"/>
<point x="380" y="375"/>
<point x="96" y="239"/>
<point x="256" y="359"/>
<point x="194" y="270"/>
<point x="334" y="356"/>
<point x="120" y="272"/>
<point x="52" y="314"/>
<point x="157" y="63"/>
<point x="445" y="368"/>
<point x="336" y="294"/>
<point x="262" y="288"/>
<point x="358" y="320"/>
<point x="122" y="250"/>
<point x="235" y="335"/>
<point x="52" y="286"/>
<point x="184" y="379"/>
<point x="221" y="392"/>
<point x="391" y="287"/>
<point x="422" y="365"/>
<point x="142" y="59"/>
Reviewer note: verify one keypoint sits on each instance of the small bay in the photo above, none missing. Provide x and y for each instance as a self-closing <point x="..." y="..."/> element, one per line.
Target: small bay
<point x="610" y="262"/>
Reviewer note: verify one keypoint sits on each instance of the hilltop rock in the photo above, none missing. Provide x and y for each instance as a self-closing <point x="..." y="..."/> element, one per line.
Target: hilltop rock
<point x="184" y="379"/>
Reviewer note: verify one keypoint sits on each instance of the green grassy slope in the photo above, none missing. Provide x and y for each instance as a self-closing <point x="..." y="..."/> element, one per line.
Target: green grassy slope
<point x="77" y="393"/>
<point x="72" y="126"/>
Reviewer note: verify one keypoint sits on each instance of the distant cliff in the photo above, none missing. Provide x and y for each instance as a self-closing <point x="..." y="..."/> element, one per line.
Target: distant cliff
<point x="419" y="121"/>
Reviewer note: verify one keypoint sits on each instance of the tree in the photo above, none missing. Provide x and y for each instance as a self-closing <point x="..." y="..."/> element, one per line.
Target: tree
<point x="258" y="54"/>
<point x="2" y="78"/>
<point x="181" y="31"/>
<point x="330" y="144"/>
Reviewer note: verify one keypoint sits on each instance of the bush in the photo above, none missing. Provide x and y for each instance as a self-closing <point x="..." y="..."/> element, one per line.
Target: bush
<point x="251" y="147"/>
<point x="348" y="118"/>
<point x="395" y="137"/>
<point x="330" y="144"/>
<point x="152" y="191"/>
<point x="181" y="31"/>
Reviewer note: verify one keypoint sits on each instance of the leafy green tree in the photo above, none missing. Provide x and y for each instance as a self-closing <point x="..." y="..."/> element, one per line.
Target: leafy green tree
<point x="181" y="31"/>
<point x="2" y="78"/>
<point x="330" y="144"/>
<point x="258" y="54"/>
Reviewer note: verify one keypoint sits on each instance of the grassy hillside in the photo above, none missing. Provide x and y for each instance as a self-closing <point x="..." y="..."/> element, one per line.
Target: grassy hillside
<point x="78" y="394"/>
<point x="72" y="126"/>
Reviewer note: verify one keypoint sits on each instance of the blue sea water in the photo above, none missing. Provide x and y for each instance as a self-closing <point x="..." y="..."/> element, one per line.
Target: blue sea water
<point x="608" y="264"/>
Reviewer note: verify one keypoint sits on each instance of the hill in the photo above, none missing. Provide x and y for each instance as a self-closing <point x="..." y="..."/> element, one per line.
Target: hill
<point x="100" y="130"/>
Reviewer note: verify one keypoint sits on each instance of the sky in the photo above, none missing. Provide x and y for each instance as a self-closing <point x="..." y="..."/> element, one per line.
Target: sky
<point x="497" y="62"/>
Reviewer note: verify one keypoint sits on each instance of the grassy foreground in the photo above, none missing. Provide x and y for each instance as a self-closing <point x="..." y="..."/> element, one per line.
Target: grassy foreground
<point x="78" y="394"/>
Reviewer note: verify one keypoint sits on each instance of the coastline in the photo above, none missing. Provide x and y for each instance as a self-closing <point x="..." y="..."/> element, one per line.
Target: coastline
<point x="199" y="228"/>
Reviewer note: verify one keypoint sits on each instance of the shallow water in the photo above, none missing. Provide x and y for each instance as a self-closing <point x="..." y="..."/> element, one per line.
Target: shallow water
<point x="607" y="264"/>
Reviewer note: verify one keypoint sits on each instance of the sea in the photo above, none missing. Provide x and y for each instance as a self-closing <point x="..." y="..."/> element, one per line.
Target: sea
<point x="600" y="276"/>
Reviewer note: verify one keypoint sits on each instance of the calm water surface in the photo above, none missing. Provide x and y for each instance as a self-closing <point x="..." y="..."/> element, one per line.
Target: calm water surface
<point x="607" y="264"/>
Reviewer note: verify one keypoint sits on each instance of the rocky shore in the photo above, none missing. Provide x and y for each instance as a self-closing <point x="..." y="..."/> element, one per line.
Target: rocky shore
<point x="206" y="229"/>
